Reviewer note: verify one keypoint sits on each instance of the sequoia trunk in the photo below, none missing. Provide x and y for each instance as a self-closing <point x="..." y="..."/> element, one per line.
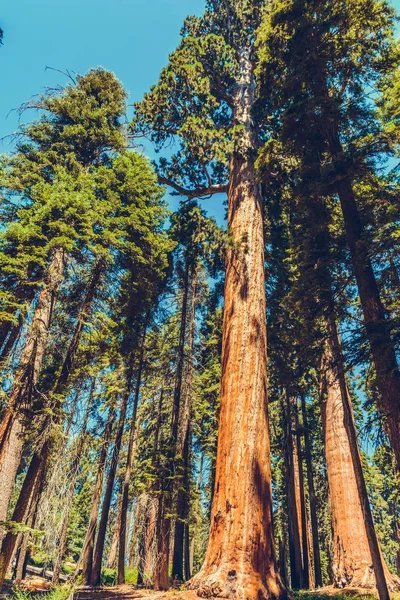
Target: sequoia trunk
<point x="312" y="497"/>
<point x="355" y="553"/>
<point x="377" y="327"/>
<point x="240" y="559"/>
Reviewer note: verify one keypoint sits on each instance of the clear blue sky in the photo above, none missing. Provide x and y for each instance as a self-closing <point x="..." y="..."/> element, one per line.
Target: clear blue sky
<point x="133" y="38"/>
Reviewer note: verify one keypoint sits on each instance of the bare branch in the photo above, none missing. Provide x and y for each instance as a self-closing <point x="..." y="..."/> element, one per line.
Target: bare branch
<point x="201" y="192"/>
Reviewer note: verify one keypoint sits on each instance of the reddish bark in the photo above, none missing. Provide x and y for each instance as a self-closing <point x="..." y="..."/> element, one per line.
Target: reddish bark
<point x="293" y="501"/>
<point x="312" y="498"/>
<point x="356" y="550"/>
<point x="382" y="346"/>
<point x="240" y="559"/>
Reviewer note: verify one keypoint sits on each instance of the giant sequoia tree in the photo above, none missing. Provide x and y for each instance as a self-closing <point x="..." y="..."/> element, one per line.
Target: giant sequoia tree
<point x="205" y="98"/>
<point x="352" y="48"/>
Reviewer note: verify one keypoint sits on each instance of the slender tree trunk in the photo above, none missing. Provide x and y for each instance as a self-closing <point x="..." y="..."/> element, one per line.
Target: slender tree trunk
<point x="312" y="497"/>
<point x="128" y="469"/>
<point x="377" y="327"/>
<point x="179" y="565"/>
<point x="12" y="426"/>
<point x="112" y="557"/>
<point x="62" y="540"/>
<point x="298" y="455"/>
<point x="240" y="558"/>
<point x="197" y="516"/>
<point x="88" y="545"/>
<point x="357" y="558"/>
<point x="294" y="524"/>
<point x="99" y="550"/>
<point x="141" y="538"/>
<point x="162" y="525"/>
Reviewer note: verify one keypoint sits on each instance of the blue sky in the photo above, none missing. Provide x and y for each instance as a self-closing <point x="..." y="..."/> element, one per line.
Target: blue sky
<point x="133" y="38"/>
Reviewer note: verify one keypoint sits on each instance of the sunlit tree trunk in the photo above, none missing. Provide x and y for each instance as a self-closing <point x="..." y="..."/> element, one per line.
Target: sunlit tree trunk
<point x="356" y="549"/>
<point x="293" y="500"/>
<point x="240" y="558"/>
<point x="102" y="527"/>
<point x="312" y="497"/>
<point x="88" y="545"/>
<point x="376" y="323"/>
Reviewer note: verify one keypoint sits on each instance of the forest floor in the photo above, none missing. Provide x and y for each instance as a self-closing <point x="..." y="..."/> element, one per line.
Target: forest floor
<point x="129" y="592"/>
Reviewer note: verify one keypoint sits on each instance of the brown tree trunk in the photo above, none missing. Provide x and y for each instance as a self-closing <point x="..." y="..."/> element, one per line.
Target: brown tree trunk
<point x="166" y="504"/>
<point x="301" y="502"/>
<point x="240" y="558"/>
<point x="182" y="483"/>
<point x="312" y="497"/>
<point x="99" y="550"/>
<point x="12" y="426"/>
<point x="357" y="558"/>
<point x="88" y="545"/>
<point x="112" y="557"/>
<point x="62" y="540"/>
<point x="128" y="469"/>
<point x="41" y="456"/>
<point x="293" y="501"/>
<point x="377" y="327"/>
<point x="141" y="538"/>
<point x="161" y="560"/>
<point x="196" y="515"/>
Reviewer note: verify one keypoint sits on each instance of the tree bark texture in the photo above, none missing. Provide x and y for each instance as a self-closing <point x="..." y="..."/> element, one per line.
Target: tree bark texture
<point x="240" y="560"/>
<point x="355" y="553"/>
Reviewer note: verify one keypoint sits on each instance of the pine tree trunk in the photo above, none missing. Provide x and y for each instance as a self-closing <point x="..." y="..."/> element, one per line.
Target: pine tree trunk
<point x="196" y="510"/>
<point x="301" y="503"/>
<point x="312" y="497"/>
<point x="183" y="444"/>
<point x="62" y="540"/>
<point x="102" y="528"/>
<point x="128" y="469"/>
<point x="293" y="504"/>
<point x="356" y="551"/>
<point x="240" y="558"/>
<point x="12" y="426"/>
<point x="112" y="557"/>
<point x="377" y="327"/>
<point x="161" y="561"/>
<point x="88" y="545"/>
